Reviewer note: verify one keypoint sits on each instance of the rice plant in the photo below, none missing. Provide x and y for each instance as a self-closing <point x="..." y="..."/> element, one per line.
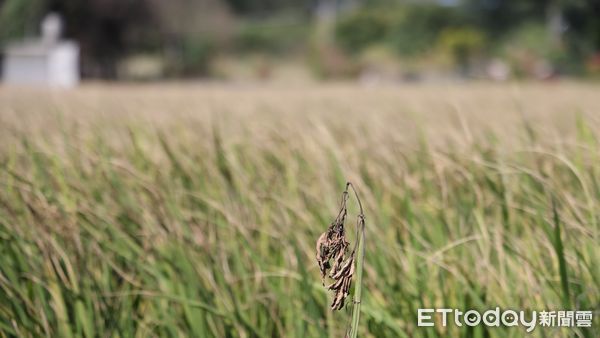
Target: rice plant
<point x="176" y="211"/>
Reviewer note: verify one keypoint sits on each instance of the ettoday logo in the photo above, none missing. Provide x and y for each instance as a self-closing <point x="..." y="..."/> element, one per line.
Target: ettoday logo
<point x="496" y="317"/>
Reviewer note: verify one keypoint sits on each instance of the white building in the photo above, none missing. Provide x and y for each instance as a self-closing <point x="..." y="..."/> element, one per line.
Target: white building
<point x="45" y="61"/>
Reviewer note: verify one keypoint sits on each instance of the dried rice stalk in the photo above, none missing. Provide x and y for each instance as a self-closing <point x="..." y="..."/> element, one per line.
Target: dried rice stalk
<point x="332" y="249"/>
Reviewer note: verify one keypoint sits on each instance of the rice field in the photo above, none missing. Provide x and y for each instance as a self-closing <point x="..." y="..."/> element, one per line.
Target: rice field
<point x="193" y="210"/>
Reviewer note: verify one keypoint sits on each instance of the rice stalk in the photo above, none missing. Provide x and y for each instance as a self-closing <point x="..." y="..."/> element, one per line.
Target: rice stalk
<point x="332" y="248"/>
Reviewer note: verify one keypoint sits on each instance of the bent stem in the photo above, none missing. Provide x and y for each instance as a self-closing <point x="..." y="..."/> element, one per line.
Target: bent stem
<point x="360" y="242"/>
<point x="358" y="286"/>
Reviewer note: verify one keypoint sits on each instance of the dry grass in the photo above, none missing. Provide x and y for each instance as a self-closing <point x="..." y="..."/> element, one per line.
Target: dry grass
<point x="179" y="210"/>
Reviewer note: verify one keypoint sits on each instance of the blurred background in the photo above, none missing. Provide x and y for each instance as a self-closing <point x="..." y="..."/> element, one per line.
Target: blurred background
<point x="368" y="40"/>
<point x="180" y="191"/>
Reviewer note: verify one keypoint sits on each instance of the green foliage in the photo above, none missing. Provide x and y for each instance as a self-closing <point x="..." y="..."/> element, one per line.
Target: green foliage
<point x="196" y="53"/>
<point x="19" y="18"/>
<point x="410" y="30"/>
<point x="416" y="28"/>
<point x="461" y="44"/>
<point x="360" y="29"/>
<point x="532" y="38"/>
<point x="274" y="36"/>
<point x="529" y="44"/>
<point x="245" y="7"/>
